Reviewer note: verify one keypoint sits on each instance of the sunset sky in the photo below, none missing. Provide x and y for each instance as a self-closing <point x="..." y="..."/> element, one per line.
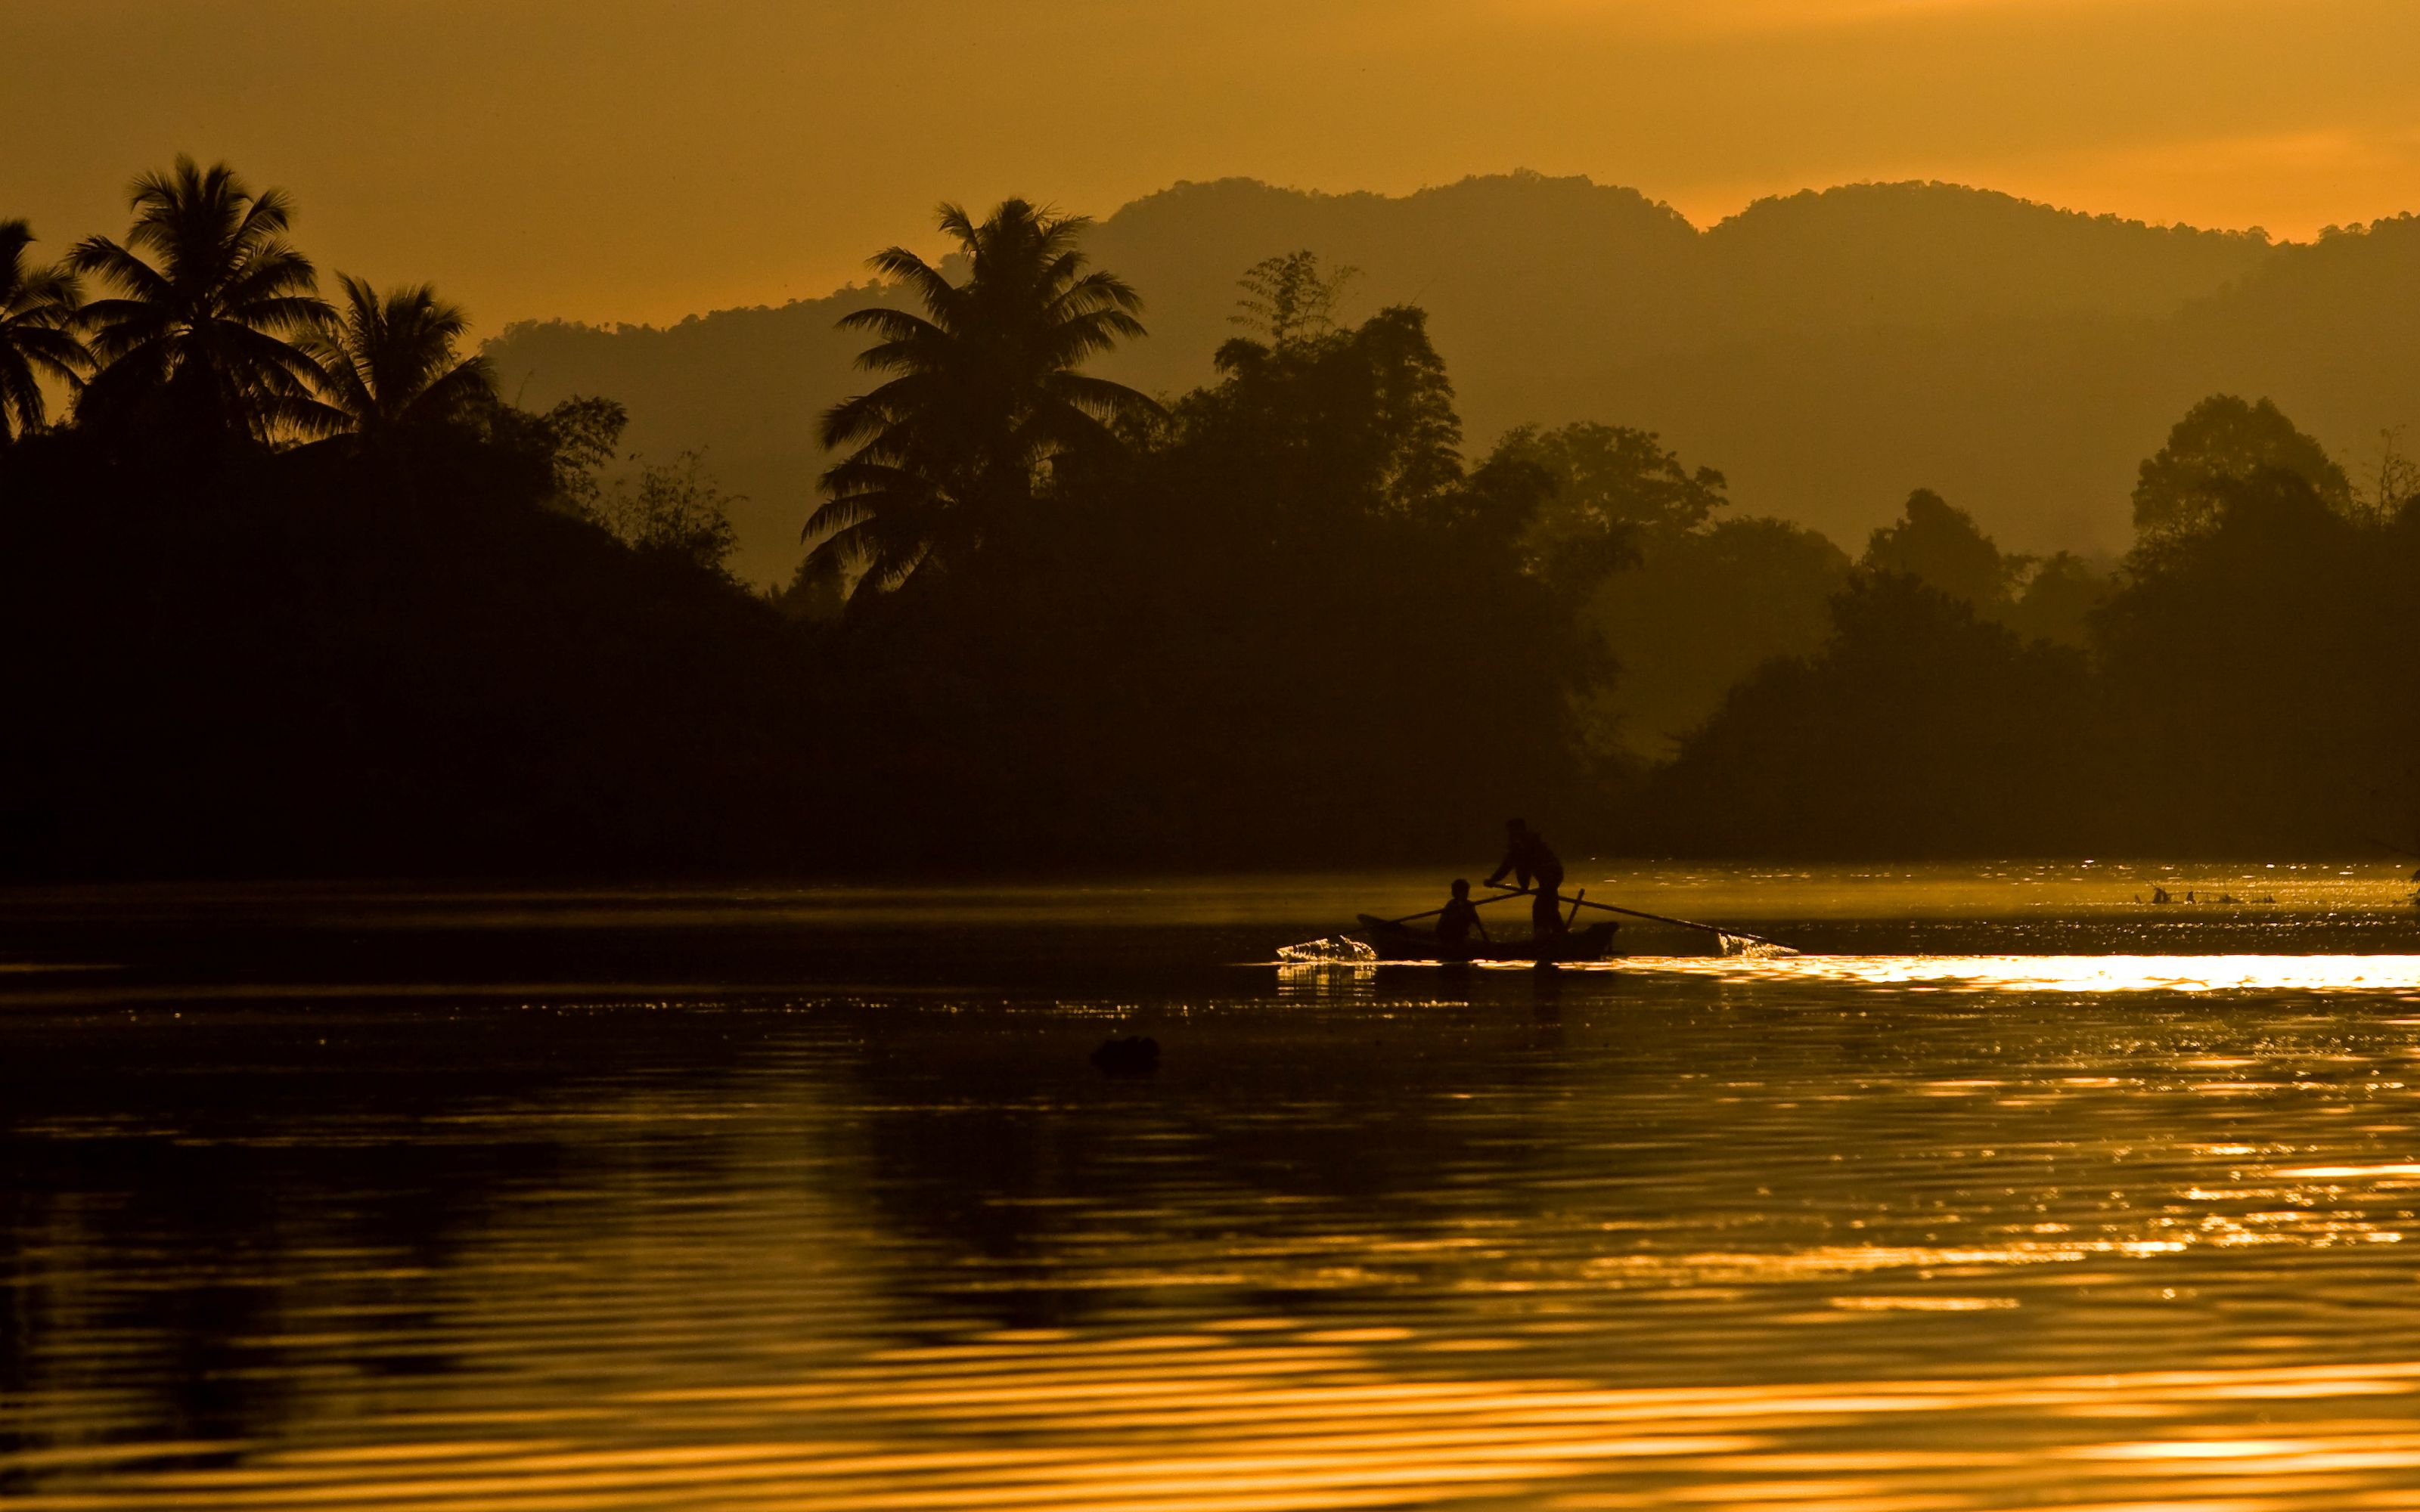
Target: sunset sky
<point x="640" y="160"/>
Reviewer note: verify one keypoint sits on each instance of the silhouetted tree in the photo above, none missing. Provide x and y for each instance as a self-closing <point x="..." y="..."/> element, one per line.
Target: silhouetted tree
<point x="1939" y="543"/>
<point x="210" y="302"/>
<point x="987" y="394"/>
<point x="1282" y="621"/>
<point x="1613" y="488"/>
<point x="37" y="308"/>
<point x="673" y="511"/>
<point x="818" y="591"/>
<point x="1291" y="298"/>
<point x="389" y="364"/>
<point x="1918" y="728"/>
<point x="1703" y="608"/>
<point x="571" y="444"/>
<point x="1368" y="411"/>
<point x="2261" y="663"/>
<point x="2060" y="593"/>
<point x="1326" y="601"/>
<point x="2394" y="484"/>
<point x="1284" y="624"/>
<point x="2219" y="441"/>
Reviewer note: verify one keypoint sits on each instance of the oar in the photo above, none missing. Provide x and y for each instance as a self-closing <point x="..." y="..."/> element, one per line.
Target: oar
<point x="1660" y="918"/>
<point x="1433" y="913"/>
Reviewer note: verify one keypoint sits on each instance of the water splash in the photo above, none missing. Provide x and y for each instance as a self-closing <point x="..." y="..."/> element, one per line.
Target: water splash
<point x="1334" y="949"/>
<point x="1748" y="949"/>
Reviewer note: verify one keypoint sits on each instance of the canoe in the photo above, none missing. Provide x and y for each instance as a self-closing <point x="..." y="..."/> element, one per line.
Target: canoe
<point x="1401" y="942"/>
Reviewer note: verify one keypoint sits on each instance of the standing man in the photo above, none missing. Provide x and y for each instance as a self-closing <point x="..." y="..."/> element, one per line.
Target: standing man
<point x="1528" y="859"/>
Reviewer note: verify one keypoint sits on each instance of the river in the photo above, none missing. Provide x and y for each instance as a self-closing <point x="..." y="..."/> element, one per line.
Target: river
<point x="2010" y="1191"/>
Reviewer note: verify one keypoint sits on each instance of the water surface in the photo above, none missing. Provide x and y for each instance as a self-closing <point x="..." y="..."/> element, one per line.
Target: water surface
<point x="2010" y="1193"/>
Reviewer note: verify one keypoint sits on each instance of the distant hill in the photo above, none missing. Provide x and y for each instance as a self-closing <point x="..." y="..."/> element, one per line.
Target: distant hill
<point x="1828" y="351"/>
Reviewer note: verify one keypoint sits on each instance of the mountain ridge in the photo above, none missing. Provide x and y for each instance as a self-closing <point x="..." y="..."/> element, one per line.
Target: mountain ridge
<point x="1829" y="349"/>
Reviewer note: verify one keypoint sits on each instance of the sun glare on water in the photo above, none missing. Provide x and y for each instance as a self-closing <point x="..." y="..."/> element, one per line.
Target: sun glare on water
<point x="2397" y="975"/>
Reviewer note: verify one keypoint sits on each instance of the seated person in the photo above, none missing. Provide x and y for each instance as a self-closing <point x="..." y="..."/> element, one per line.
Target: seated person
<point x="1460" y="916"/>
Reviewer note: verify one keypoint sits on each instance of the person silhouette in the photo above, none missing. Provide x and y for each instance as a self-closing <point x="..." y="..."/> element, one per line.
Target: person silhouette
<point x="1531" y="860"/>
<point x="1460" y="916"/>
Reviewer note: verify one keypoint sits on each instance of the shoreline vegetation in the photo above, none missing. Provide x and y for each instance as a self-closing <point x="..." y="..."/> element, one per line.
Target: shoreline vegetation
<point x="287" y="587"/>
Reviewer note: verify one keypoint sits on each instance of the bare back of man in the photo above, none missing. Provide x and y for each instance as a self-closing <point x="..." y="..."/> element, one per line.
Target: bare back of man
<point x="1532" y="863"/>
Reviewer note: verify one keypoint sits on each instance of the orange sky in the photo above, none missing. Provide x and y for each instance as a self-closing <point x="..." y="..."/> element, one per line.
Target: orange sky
<point x="643" y="159"/>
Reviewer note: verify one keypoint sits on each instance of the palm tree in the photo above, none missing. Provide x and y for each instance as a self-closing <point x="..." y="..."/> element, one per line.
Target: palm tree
<point x="202" y="332"/>
<point x="389" y="366"/>
<point x="985" y="393"/>
<point x="37" y="306"/>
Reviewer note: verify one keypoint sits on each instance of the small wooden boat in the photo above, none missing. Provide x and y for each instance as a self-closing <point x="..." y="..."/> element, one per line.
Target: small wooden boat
<point x="1401" y="942"/>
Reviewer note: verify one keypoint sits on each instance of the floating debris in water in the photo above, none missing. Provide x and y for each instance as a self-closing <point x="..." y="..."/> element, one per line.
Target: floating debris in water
<point x="1133" y="1054"/>
<point x="1335" y="950"/>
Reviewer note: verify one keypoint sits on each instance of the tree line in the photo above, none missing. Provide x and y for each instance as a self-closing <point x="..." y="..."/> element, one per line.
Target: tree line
<point x="287" y="587"/>
<point x="2242" y="681"/>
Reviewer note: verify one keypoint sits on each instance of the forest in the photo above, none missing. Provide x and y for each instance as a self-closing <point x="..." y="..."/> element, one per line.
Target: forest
<point x="1827" y="350"/>
<point x="287" y="587"/>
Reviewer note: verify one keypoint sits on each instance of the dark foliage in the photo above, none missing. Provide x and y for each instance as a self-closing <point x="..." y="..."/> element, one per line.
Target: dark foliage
<point x="2269" y="688"/>
<point x="1285" y="627"/>
<point x="2251" y="688"/>
<point x="295" y="663"/>
<point x="1918" y="728"/>
<point x="1705" y="608"/>
<point x="1280" y="620"/>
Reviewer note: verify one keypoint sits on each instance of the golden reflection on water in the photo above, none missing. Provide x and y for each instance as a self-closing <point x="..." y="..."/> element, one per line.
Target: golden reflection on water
<point x="1204" y="1423"/>
<point x="1852" y="1233"/>
<point x="2398" y="975"/>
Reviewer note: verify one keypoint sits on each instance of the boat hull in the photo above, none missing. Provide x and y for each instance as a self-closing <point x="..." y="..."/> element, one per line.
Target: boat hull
<point x="1400" y="942"/>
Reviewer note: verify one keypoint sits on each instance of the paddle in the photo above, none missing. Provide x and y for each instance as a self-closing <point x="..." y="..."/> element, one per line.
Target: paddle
<point x="1475" y="902"/>
<point x="1580" y="902"/>
<point x="1317" y="952"/>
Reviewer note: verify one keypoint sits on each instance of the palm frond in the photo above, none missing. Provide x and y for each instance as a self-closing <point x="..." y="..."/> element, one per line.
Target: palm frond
<point x="283" y="290"/>
<point x="981" y="393"/>
<point x="50" y="295"/>
<point x="864" y="416"/>
<point x="22" y="407"/>
<point x="16" y="234"/>
<point x="300" y="415"/>
<point x="1077" y="337"/>
<point x="453" y="392"/>
<point x="1096" y="290"/>
<point x="953" y="219"/>
<point x="897" y="265"/>
<point x="271" y="213"/>
<point x="50" y="349"/>
<point x="890" y="325"/>
<point x="121" y="270"/>
<point x="1103" y="398"/>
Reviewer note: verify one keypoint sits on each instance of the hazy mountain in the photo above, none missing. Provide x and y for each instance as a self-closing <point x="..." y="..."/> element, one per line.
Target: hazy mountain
<point x="1828" y="351"/>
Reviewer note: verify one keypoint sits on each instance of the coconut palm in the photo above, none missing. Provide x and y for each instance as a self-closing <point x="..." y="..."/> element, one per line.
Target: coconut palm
<point x="211" y="299"/>
<point x="985" y="393"/>
<point x="389" y="366"/>
<point x="37" y="306"/>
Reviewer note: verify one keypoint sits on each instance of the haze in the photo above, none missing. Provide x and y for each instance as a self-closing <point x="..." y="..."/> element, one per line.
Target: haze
<point x="621" y="161"/>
